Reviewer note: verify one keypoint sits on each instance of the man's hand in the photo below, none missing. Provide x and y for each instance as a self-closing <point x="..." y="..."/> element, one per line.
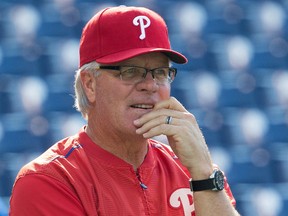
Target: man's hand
<point x="183" y="133"/>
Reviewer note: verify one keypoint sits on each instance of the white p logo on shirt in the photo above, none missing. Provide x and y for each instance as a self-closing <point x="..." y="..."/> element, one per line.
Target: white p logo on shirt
<point x="182" y="198"/>
<point x="144" y="23"/>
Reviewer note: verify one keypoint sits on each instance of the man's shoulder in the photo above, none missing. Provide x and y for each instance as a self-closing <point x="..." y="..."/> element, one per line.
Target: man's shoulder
<point x="58" y="159"/>
<point x="162" y="148"/>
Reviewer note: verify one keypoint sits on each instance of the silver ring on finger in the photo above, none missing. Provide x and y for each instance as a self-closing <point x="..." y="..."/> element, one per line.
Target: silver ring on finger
<point x="168" y="120"/>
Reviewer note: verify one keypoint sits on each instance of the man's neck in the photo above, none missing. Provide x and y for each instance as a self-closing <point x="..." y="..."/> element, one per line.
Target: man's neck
<point x="133" y="151"/>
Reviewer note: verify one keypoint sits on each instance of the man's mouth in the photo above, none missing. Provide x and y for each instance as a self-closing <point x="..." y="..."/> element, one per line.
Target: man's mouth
<point x="142" y="106"/>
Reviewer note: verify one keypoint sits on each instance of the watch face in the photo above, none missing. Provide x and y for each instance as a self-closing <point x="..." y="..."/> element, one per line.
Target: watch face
<point x="219" y="180"/>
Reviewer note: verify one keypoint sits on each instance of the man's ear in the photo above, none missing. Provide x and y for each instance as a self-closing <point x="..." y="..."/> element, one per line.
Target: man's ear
<point x="89" y="85"/>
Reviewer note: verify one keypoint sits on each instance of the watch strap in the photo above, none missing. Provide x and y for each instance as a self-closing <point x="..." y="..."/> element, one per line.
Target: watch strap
<point x="200" y="185"/>
<point x="215" y="182"/>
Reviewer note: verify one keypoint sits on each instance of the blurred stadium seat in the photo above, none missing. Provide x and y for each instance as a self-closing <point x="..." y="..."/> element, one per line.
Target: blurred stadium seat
<point x="236" y="84"/>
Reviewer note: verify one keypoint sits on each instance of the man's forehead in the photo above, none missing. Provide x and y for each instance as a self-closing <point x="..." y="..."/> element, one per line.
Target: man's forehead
<point x="155" y="57"/>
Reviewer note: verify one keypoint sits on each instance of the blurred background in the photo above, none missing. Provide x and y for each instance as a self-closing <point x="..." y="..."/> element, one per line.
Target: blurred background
<point x="236" y="84"/>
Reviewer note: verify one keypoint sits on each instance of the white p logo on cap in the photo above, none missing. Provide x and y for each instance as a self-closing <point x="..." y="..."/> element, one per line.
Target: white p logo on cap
<point x="139" y="20"/>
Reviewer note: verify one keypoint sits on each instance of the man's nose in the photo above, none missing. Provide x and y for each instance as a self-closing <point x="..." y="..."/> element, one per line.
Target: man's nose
<point x="149" y="75"/>
<point x="148" y="83"/>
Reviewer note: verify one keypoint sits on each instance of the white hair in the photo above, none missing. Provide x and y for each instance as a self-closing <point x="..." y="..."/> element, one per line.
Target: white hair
<point x="81" y="102"/>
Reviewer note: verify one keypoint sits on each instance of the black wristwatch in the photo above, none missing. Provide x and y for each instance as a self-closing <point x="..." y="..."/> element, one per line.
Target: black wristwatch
<point x="215" y="182"/>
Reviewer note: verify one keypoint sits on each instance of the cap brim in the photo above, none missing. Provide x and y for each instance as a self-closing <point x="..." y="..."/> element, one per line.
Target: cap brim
<point x="127" y="54"/>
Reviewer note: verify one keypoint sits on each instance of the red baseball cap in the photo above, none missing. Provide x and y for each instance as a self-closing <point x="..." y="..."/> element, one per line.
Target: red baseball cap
<point x="119" y="33"/>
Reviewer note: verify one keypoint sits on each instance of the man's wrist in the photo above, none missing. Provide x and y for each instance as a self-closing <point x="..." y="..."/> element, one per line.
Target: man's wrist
<point x="215" y="182"/>
<point x="200" y="174"/>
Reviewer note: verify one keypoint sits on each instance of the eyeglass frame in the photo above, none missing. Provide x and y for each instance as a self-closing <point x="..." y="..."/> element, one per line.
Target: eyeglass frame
<point x="118" y="68"/>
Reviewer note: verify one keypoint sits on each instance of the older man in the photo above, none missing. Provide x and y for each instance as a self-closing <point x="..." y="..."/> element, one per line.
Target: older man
<point x="113" y="166"/>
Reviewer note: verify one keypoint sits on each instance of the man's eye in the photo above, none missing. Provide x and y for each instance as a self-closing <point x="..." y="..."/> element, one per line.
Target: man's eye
<point x="130" y="72"/>
<point x="161" y="72"/>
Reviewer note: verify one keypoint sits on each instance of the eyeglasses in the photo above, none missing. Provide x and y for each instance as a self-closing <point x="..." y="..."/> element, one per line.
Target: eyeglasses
<point x="135" y="74"/>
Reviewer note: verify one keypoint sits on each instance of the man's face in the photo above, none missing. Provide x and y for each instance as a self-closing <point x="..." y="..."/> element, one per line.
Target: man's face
<point x="118" y="104"/>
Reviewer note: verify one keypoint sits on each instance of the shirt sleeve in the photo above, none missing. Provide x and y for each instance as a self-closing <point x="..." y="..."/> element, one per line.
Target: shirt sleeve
<point x="36" y="194"/>
<point x="229" y="192"/>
